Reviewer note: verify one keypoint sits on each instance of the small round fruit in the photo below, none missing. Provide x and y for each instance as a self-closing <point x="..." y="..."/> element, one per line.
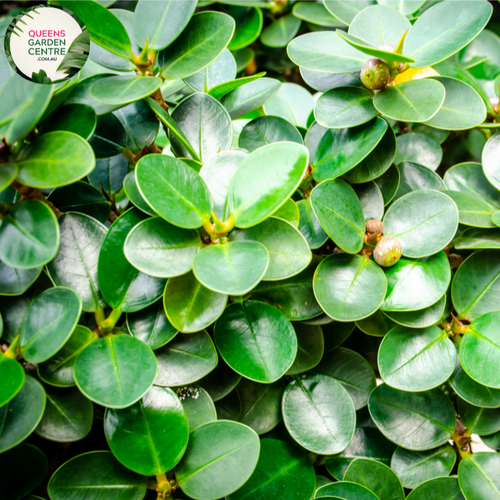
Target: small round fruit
<point x="374" y="226"/>
<point x="375" y="74"/>
<point x="387" y="252"/>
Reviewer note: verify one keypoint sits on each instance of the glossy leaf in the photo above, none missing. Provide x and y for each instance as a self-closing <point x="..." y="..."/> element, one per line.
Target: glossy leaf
<point x="12" y="374"/>
<point x="351" y="276"/>
<point x="339" y="212"/>
<point x="137" y="437"/>
<point x="281" y="31"/>
<point x="479" y="420"/>
<point x="477" y="476"/>
<point x="222" y="70"/>
<point x="266" y="130"/>
<point x="319" y="414"/>
<point x="441" y="487"/>
<point x="396" y="412"/>
<point x="413" y="101"/>
<point x="309" y="225"/>
<point x="256" y="341"/>
<point x="491" y="165"/>
<point x="201" y="42"/>
<point x="293" y="103"/>
<point x="310" y="348"/>
<point x="416" y="359"/>
<point x="248" y="26"/>
<point x="95" y="473"/>
<point x="77" y="118"/>
<point x="348" y="490"/>
<point x="248" y="202"/>
<point x="213" y="449"/>
<point x="189" y="305"/>
<point x="18" y="421"/>
<point x="416" y="284"/>
<point x="123" y="381"/>
<point x="415" y="176"/>
<point x="198" y="406"/>
<point x="419" y="148"/>
<point x="16" y="281"/>
<point x="185" y="360"/>
<point x="120" y="90"/>
<point x="421" y="318"/>
<point x="345" y="107"/>
<point x="471" y="211"/>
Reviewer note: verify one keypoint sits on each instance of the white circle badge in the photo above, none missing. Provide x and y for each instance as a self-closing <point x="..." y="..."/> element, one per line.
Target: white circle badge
<point x="47" y="44"/>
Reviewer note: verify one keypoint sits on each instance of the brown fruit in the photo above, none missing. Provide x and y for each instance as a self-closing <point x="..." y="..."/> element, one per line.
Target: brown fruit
<point x="374" y="226"/>
<point x="375" y="74"/>
<point x="387" y="252"/>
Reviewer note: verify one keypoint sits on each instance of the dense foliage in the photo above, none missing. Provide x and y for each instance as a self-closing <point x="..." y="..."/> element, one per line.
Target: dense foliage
<point x="216" y="284"/>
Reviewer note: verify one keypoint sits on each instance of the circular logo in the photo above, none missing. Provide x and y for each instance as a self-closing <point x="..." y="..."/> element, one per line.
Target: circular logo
<point x="47" y="44"/>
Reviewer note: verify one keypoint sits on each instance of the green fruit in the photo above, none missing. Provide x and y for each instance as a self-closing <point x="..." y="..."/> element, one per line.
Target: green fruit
<point x="375" y="74"/>
<point x="387" y="252"/>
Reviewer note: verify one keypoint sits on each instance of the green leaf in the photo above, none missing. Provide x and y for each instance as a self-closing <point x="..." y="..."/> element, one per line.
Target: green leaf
<point x="23" y="104"/>
<point x="421" y="318"/>
<point x="206" y="125"/>
<point x="377" y="162"/>
<point x="345" y="107"/>
<point x="185" y="359"/>
<point x="58" y="370"/>
<point x="266" y="130"/>
<point x="443" y="30"/>
<point x="134" y="195"/>
<point x="8" y="173"/>
<point x="222" y="70"/>
<point x="49" y="323"/>
<point x="255" y="191"/>
<point x="54" y="159"/>
<point x="419" y="148"/>
<point x="319" y="414"/>
<point x="388" y="183"/>
<point x="173" y="190"/>
<point x="371" y="200"/>
<point x="339" y="212"/>
<point x="91" y="475"/>
<point x="68" y="415"/>
<point x="202" y="41"/>
<point x="16" y="281"/>
<point x="377" y="477"/>
<point x="282" y="467"/>
<point x="219" y="91"/>
<point x="416" y="467"/>
<point x="213" y="447"/>
<point x="294" y="296"/>
<point x="351" y="275"/>
<point x="415" y="360"/>
<point x="476" y="283"/>
<point x="121" y="90"/>
<point x="348" y="490"/>
<point x="339" y="150"/>
<point x="424" y="221"/>
<point x="491" y="163"/>
<point x="229" y="408"/>
<point x="479" y="420"/>
<point x="480" y="350"/>
<point x="250" y="96"/>
<point x="469" y="178"/>
<point x="397" y="413"/>
<point x="325" y="52"/>
<point x="122" y="286"/>
<point x="453" y="115"/>
<point x="232" y="268"/>
<point x="346" y="11"/>
<point x="15" y="465"/>
<point x="220" y="382"/>
<point x="260" y="404"/>
<point x="413" y="101"/>
<point x="249" y="22"/>
<point x="477" y="476"/>
<point x="160" y="249"/>
<point x="335" y="332"/>
<point x="189" y="305"/>
<point x="198" y="406"/>
<point x="309" y="225"/>
<point x="29" y="235"/>
<point x="368" y="442"/>
<point x="377" y="325"/>
<point x="289" y="212"/>
<point x="289" y="253"/>
<point x="416" y="284"/>
<point x="76" y="56"/>
<point x="352" y="371"/>
<point x="12" y="374"/>
<point x="151" y="326"/>
<point x="104" y="28"/>
<point x="442" y="488"/>
<point x="17" y="422"/>
<point x="136" y="435"/>
<point x="415" y="177"/>
<point x="75" y="264"/>
<point x="161" y="22"/>
<point x="110" y="172"/>
<point x="77" y="118"/>
<point x="121" y="383"/>
<point x="109" y="138"/>
<point x="242" y="336"/>
<point x="310" y="348"/>
<point x="471" y="211"/>
<point x="315" y="13"/>
<point x="281" y="31"/>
